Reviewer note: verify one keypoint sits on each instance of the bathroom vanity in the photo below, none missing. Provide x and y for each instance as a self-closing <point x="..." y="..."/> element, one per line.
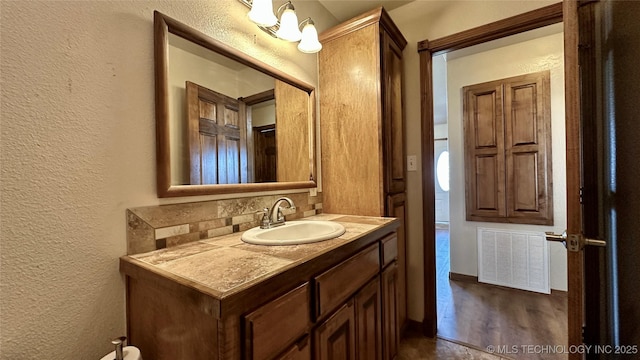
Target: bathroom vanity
<point x="221" y="298"/>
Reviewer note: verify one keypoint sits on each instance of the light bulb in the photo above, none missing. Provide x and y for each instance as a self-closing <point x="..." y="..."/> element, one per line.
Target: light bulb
<point x="261" y="13"/>
<point x="289" y="25"/>
<point x="309" y="43"/>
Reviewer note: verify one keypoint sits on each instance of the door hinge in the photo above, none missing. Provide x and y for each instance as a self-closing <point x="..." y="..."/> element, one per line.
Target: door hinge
<point x="581" y="195"/>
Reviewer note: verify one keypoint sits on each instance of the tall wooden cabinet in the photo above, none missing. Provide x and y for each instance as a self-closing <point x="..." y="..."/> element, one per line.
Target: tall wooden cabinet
<point x="362" y="125"/>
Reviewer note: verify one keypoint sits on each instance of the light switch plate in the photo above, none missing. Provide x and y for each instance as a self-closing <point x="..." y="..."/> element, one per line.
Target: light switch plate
<point x="412" y="163"/>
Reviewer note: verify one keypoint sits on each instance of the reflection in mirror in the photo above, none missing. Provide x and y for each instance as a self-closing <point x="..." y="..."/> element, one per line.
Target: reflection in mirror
<point x="227" y="123"/>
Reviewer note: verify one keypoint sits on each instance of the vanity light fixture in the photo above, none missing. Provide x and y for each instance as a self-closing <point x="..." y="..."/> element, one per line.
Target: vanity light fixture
<point x="288" y="30"/>
<point x="261" y="13"/>
<point x="287" y="27"/>
<point x="309" y="43"/>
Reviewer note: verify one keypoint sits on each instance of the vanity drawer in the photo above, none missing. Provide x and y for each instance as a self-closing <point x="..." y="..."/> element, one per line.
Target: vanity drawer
<point x="389" y="249"/>
<point x="336" y="285"/>
<point x="277" y="324"/>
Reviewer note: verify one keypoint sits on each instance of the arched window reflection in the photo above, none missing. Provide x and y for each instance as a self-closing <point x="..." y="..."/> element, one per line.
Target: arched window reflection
<point x="442" y="170"/>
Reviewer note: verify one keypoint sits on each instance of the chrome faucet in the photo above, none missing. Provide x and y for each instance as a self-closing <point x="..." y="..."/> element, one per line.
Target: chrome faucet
<point x="274" y="217"/>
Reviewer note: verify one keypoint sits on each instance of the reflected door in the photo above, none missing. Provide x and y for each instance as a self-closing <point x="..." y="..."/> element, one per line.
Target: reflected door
<point x="217" y="137"/>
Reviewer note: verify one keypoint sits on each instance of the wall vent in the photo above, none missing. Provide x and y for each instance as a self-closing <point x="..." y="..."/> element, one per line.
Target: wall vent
<point x="517" y="259"/>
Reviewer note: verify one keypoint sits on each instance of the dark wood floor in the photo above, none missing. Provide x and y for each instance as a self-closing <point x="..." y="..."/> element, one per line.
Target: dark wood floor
<point x="529" y="325"/>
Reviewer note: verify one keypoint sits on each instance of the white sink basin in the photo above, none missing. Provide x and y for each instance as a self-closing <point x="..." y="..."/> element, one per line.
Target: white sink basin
<point x="294" y="232"/>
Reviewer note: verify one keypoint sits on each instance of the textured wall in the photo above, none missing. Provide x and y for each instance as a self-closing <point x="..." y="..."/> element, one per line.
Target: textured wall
<point x="78" y="148"/>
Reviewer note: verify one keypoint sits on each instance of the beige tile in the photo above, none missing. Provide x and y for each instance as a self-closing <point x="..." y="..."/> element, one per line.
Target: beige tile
<point x="220" y="231"/>
<point x="240" y="219"/>
<point x="140" y="235"/>
<point x="176" y="214"/>
<point x="225" y="240"/>
<point x="182" y="239"/>
<point x="298" y="252"/>
<point x="224" y="269"/>
<point x="211" y="224"/>
<point x="166" y="232"/>
<point x="164" y="255"/>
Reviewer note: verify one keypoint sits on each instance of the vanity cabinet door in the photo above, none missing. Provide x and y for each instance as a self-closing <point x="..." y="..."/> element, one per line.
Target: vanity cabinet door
<point x="299" y="351"/>
<point x="393" y="116"/>
<point x="397" y="208"/>
<point x="335" y="339"/>
<point x="277" y="324"/>
<point x="369" y="321"/>
<point x="390" y="319"/>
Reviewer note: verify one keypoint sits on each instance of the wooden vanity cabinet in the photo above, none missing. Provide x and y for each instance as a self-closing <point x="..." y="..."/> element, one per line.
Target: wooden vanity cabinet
<point x="360" y="73"/>
<point x="333" y="306"/>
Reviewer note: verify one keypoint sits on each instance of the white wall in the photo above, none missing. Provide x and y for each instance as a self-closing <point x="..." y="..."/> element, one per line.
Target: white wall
<point x="421" y="20"/>
<point x="78" y="148"/>
<point x="540" y="54"/>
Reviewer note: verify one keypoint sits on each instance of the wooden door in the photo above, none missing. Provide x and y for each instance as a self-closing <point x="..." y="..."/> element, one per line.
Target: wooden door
<point x="217" y="130"/>
<point x="391" y="335"/>
<point x="575" y="260"/>
<point x="335" y="339"/>
<point x="295" y="133"/>
<point x="368" y="322"/>
<point x="266" y="154"/>
<point x="602" y="79"/>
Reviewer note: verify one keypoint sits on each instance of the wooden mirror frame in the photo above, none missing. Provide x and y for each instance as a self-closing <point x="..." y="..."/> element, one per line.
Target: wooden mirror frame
<point x="163" y="25"/>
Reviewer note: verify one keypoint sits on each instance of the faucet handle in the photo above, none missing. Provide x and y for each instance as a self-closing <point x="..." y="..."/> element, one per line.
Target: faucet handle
<point x="265" y="222"/>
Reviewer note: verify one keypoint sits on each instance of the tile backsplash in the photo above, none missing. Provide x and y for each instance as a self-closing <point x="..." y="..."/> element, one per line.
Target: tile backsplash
<point x="156" y="227"/>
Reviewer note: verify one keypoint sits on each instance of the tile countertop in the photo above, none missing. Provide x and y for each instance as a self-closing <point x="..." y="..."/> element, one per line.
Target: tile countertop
<point x="225" y="265"/>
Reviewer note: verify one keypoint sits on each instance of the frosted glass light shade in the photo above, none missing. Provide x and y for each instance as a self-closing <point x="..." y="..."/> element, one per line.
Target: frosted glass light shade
<point x="309" y="43"/>
<point x="289" y="26"/>
<point x="261" y="13"/>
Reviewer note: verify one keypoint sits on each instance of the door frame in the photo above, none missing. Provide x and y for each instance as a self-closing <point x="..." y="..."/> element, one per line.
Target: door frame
<point x="531" y="20"/>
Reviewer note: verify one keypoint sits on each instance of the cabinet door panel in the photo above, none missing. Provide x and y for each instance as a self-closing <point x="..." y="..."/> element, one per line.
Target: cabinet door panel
<point x="369" y="322"/>
<point x="335" y="339"/>
<point x="299" y="351"/>
<point x="529" y="195"/>
<point x="397" y="209"/>
<point x="389" y="247"/>
<point x="393" y="124"/>
<point x="278" y="323"/>
<point x="390" y="334"/>
<point x="484" y="150"/>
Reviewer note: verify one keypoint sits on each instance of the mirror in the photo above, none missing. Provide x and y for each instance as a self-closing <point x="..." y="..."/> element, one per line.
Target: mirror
<point x="225" y="122"/>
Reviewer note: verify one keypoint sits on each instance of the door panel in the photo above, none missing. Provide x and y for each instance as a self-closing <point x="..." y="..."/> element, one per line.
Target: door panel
<point x="335" y="339"/>
<point x="368" y="322"/>
<point x="574" y="211"/>
<point x="217" y="137"/>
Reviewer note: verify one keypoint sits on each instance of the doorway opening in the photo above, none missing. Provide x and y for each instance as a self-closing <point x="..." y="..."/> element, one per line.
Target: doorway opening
<point x="463" y="322"/>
